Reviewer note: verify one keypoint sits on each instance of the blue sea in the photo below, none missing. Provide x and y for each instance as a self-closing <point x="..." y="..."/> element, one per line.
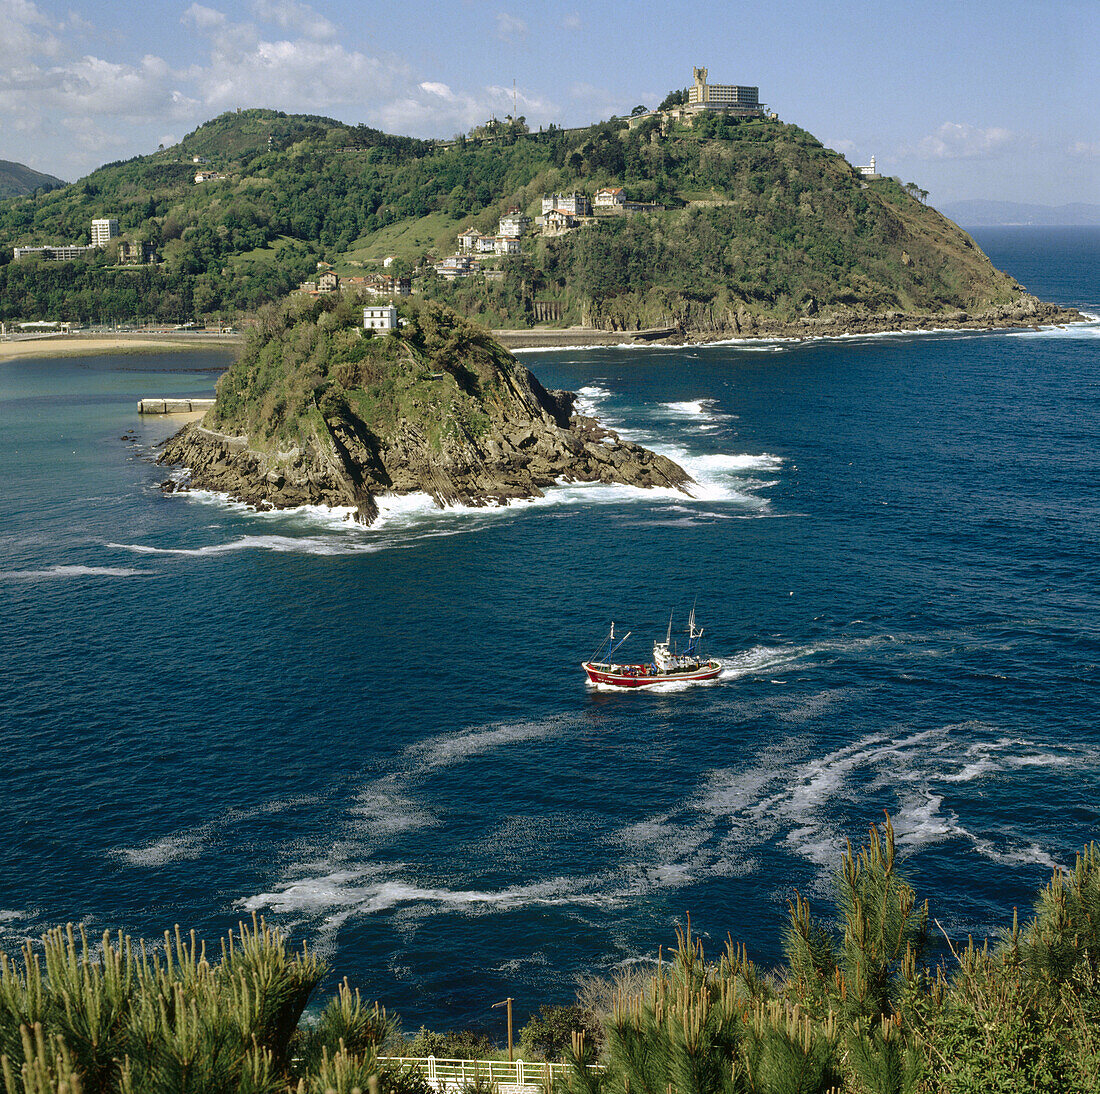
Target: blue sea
<point x="381" y="739"/>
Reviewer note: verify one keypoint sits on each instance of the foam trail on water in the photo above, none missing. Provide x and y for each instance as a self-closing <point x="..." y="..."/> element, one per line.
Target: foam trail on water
<point x="800" y="800"/>
<point x="69" y="572"/>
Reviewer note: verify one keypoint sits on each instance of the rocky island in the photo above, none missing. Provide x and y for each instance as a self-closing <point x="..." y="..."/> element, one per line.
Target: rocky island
<point x="317" y="411"/>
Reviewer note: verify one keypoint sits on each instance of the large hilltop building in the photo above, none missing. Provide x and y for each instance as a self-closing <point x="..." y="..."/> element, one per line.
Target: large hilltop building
<point x="734" y="98"/>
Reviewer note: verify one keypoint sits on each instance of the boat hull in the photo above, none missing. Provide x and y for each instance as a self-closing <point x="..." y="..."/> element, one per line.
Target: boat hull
<point x="640" y="676"/>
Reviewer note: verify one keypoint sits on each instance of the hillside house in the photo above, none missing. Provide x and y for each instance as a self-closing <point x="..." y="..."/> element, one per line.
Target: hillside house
<point x="468" y="240"/>
<point x="506" y="245"/>
<point x="456" y="266"/>
<point x="386" y="285"/>
<point x="609" y="196"/>
<point x="870" y="170"/>
<point x="380" y="317"/>
<point x="557" y="221"/>
<point x="575" y="204"/>
<point x="514" y="224"/>
<point x="328" y="281"/>
<point x="136" y="254"/>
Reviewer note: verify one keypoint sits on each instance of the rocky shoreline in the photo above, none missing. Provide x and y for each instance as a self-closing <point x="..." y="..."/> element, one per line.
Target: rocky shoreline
<point x="1028" y="312"/>
<point x="518" y="457"/>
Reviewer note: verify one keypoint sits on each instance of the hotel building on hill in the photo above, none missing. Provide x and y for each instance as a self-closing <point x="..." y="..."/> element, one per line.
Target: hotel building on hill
<point x="744" y="101"/>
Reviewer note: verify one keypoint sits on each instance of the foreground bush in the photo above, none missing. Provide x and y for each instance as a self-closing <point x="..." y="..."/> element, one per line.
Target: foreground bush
<point x="854" y="1007"/>
<point x="81" y="1019"/>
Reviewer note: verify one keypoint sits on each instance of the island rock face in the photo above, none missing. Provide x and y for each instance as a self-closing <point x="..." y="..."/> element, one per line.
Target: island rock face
<point x="316" y="411"/>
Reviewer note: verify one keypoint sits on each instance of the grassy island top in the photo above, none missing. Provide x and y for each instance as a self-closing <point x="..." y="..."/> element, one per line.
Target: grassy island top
<point x="854" y="1009"/>
<point x="311" y="359"/>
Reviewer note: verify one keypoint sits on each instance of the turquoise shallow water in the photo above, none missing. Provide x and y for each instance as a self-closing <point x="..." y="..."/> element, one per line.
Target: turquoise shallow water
<point x="381" y="739"/>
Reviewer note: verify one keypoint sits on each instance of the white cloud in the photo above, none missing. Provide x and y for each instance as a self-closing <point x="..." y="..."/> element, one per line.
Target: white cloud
<point x="428" y="111"/>
<point x="442" y="90"/>
<point x="26" y="32"/>
<point x="202" y="17"/>
<point x="844" y="146"/>
<point x="285" y="75"/>
<point x="509" y="27"/>
<point x="955" y="141"/>
<point x="1086" y="149"/>
<point x="292" y="16"/>
<point x="572" y="21"/>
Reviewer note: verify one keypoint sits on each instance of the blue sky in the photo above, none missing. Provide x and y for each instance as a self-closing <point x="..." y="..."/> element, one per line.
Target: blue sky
<point x="968" y="99"/>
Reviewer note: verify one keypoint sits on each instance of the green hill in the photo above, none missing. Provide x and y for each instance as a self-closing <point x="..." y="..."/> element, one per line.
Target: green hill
<point x="762" y="227"/>
<point x="16" y="179"/>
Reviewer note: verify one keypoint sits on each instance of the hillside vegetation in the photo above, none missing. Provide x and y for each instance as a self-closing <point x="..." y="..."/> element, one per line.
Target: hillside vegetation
<point x="761" y="223"/>
<point x="854" y="1009"/>
<point x="17" y="179"/>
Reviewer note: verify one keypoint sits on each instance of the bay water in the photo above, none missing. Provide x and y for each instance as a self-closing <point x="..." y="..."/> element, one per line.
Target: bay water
<point x="381" y="739"/>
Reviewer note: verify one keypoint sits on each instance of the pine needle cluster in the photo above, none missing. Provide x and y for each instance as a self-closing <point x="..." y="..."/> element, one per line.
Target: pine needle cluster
<point x="119" y="1017"/>
<point x="855" y="1008"/>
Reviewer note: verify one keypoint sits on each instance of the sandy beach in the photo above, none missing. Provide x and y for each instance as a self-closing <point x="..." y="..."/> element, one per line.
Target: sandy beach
<point x="85" y="345"/>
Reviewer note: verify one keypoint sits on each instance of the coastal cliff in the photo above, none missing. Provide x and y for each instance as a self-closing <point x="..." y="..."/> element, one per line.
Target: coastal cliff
<point x="316" y="411"/>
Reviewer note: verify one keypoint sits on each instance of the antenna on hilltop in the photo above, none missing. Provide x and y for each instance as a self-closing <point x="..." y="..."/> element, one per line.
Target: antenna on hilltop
<point x="514" y="114"/>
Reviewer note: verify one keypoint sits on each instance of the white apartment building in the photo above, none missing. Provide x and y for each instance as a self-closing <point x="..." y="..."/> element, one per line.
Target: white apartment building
<point x="103" y="231"/>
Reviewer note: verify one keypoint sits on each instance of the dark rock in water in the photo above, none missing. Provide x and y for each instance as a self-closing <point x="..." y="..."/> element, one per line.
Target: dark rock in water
<point x="486" y="433"/>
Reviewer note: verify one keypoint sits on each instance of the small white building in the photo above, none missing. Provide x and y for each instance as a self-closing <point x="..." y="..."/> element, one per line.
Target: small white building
<point x="388" y="261"/>
<point x="380" y="317"/>
<point x="609" y="196"/>
<point x="869" y="170"/>
<point x="506" y="245"/>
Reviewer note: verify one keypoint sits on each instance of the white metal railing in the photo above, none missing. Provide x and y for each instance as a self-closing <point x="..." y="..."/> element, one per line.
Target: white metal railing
<point x="517" y="1077"/>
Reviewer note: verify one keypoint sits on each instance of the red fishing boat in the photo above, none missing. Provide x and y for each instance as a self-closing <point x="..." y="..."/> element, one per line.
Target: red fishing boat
<point x="668" y="664"/>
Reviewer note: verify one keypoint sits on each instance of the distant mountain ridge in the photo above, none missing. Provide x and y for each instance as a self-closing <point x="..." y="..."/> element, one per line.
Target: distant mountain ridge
<point x="978" y="213"/>
<point x="17" y="179"/>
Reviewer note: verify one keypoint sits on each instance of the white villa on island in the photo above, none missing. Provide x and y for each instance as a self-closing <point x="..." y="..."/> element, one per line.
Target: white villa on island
<point x="380" y="317"/>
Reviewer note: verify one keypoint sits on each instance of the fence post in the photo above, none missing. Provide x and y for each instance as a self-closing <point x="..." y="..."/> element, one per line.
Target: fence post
<point x="519" y="1073"/>
<point x="431" y="1068"/>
